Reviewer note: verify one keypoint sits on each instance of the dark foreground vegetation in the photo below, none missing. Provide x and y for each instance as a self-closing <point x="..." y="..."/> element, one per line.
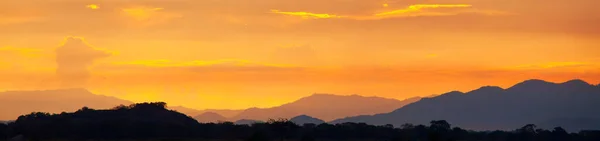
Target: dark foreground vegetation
<point x="152" y="121"/>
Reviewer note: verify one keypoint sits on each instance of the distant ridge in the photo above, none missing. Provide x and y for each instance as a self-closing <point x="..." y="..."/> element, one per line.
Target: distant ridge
<point x="305" y="119"/>
<point x="16" y="103"/>
<point x="185" y="110"/>
<point x="227" y="113"/>
<point x="247" y="122"/>
<point x="326" y="107"/>
<point x="489" y="107"/>
<point x="210" y="117"/>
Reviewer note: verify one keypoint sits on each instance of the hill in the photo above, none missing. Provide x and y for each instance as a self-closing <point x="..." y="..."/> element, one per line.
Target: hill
<point x="143" y="120"/>
<point x="492" y="108"/>
<point x="210" y="117"/>
<point x="305" y="119"/>
<point x="326" y="107"/>
<point x="16" y="103"/>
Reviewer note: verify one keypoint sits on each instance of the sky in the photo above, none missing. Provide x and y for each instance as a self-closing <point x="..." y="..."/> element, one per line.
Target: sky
<point x="235" y="54"/>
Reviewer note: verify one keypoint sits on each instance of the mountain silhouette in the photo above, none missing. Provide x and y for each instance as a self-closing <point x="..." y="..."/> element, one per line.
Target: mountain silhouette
<point x="141" y="120"/>
<point x="326" y="107"/>
<point x="228" y="113"/>
<point x="304" y="119"/>
<point x="185" y="110"/>
<point x="490" y="107"/>
<point x="16" y="103"/>
<point x="154" y="122"/>
<point x="247" y="122"/>
<point x="210" y="117"/>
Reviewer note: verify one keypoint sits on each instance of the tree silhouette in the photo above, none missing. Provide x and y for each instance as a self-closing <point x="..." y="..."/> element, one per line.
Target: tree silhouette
<point x="152" y="121"/>
<point x="3" y="131"/>
<point x="440" y="125"/>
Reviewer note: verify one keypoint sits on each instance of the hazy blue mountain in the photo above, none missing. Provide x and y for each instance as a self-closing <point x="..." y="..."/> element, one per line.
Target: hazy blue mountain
<point x="489" y="107"/>
<point x="326" y="107"/>
<point x="16" y="103"/>
<point x="247" y="122"/>
<point x="209" y="117"/>
<point x="304" y="119"/>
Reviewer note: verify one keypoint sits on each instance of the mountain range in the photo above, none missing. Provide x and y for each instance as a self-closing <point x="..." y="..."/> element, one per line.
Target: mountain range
<point x="210" y="117"/>
<point x="247" y="122"/>
<point x="194" y="112"/>
<point x="492" y="108"/>
<point x="570" y="104"/>
<point x="326" y="107"/>
<point x="305" y="119"/>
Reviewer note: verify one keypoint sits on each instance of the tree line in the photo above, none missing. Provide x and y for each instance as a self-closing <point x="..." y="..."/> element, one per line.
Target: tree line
<point x="152" y="121"/>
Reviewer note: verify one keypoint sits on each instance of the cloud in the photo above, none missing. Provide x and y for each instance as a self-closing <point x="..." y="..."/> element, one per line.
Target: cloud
<point x="307" y="14"/>
<point x="420" y="7"/>
<point x="215" y="66"/>
<point x="26" y="52"/>
<point x="19" y="50"/>
<point x="141" y="13"/>
<point x="553" y="65"/>
<point x="415" y="10"/>
<point x="148" y="16"/>
<point x="169" y="63"/>
<point x="73" y="59"/>
<point x="7" y="20"/>
<point x="92" y="6"/>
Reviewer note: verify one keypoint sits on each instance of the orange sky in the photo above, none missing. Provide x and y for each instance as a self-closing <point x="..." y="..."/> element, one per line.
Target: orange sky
<point x="239" y="54"/>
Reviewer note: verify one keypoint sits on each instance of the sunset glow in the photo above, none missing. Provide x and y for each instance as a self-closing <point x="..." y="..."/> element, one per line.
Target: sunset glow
<point x="234" y="54"/>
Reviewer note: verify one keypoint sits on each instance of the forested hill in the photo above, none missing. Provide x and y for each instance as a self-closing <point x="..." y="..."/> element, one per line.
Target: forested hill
<point x="152" y="121"/>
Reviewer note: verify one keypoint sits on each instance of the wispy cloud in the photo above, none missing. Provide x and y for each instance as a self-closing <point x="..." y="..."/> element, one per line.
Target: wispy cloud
<point x="92" y="6"/>
<point x="551" y="65"/>
<point x="420" y="7"/>
<point x="209" y="66"/>
<point x="148" y="16"/>
<point x="7" y="20"/>
<point x="141" y="13"/>
<point x="308" y="14"/>
<point x="222" y="62"/>
<point x="416" y="10"/>
<point x="29" y="52"/>
<point x="22" y="50"/>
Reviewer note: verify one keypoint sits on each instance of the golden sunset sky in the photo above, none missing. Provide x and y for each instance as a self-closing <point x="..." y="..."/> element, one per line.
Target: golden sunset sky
<point x="233" y="54"/>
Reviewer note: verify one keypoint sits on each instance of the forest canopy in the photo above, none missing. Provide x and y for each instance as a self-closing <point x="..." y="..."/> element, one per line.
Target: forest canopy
<point x="149" y="121"/>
